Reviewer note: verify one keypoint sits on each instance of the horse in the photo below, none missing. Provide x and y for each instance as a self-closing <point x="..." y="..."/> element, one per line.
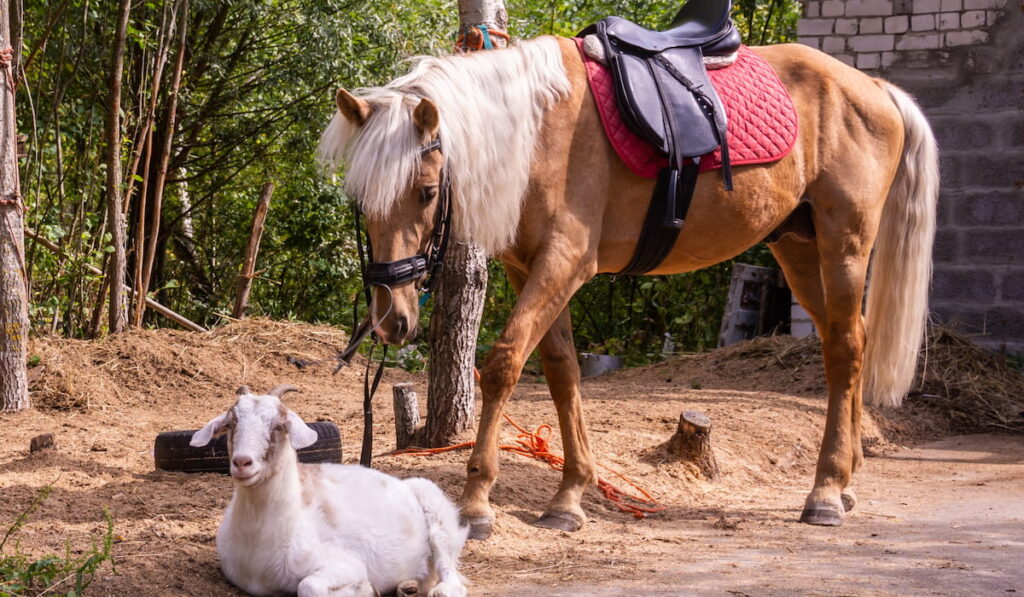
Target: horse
<point x="515" y="135"/>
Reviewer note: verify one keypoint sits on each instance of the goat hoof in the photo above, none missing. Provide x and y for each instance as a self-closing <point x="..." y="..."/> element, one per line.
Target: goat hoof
<point x="823" y="515"/>
<point x="409" y="588"/>
<point x="560" y="521"/>
<point x="849" y="500"/>
<point x="480" y="528"/>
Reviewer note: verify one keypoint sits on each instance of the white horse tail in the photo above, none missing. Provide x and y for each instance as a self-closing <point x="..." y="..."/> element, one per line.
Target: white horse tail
<point x="897" y="304"/>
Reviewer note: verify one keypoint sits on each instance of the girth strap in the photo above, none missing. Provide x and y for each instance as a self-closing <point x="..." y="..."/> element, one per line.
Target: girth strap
<point x="669" y="204"/>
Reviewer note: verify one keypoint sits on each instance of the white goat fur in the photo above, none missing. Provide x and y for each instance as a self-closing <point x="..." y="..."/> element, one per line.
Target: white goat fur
<point x="326" y="529"/>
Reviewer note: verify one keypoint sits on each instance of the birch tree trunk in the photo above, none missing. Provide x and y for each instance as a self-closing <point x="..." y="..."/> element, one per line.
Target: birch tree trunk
<point x="14" y="324"/>
<point x="115" y="213"/>
<point x="455" y="324"/>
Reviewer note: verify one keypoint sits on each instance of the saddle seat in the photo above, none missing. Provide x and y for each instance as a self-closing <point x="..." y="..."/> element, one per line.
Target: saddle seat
<point x="703" y="23"/>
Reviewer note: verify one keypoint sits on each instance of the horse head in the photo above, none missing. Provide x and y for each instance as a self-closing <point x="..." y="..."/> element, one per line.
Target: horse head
<point x="407" y="225"/>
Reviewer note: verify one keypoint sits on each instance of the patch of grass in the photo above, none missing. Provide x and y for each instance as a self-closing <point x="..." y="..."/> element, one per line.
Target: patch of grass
<point x="68" y="575"/>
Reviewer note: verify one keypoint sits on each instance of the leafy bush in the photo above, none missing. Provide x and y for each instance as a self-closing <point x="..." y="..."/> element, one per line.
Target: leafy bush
<point x="67" y="575"/>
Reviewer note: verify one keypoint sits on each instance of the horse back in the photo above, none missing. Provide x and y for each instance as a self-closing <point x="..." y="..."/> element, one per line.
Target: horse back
<point x="582" y="195"/>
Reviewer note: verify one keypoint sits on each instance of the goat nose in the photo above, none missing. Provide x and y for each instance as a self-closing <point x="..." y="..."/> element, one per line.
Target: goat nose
<point x="242" y="462"/>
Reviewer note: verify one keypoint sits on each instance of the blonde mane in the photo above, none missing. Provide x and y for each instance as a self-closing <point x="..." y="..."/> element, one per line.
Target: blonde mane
<point x="491" y="105"/>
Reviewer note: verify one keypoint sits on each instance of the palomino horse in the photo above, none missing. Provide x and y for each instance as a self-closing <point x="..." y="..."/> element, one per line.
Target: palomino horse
<point x="535" y="182"/>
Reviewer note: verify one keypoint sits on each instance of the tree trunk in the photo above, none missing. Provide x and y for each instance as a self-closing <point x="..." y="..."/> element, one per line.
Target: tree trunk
<point x="115" y="214"/>
<point x="460" y="295"/>
<point x="14" y="324"/>
<point x="165" y="156"/>
<point x="249" y="267"/>
<point x="454" y="324"/>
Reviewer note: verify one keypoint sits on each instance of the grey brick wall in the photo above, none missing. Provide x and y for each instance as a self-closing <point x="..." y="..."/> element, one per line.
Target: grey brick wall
<point x="964" y="62"/>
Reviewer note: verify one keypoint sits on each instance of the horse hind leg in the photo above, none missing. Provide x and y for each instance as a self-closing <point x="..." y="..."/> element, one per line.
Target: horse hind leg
<point x="798" y="256"/>
<point x="562" y="371"/>
<point x="827" y="275"/>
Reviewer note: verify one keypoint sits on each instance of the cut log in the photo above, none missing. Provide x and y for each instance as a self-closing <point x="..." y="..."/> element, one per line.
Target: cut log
<point x="407" y="414"/>
<point x="692" y="442"/>
<point x="41" y="442"/>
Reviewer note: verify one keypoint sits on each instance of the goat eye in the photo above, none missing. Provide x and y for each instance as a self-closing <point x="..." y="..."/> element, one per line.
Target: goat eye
<point x="428" y="194"/>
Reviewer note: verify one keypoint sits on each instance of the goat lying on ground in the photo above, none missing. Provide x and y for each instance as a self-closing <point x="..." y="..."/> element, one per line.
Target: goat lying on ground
<point x="324" y="529"/>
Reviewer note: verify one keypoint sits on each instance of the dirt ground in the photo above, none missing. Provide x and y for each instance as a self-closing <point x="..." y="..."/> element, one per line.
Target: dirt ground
<point x="945" y="516"/>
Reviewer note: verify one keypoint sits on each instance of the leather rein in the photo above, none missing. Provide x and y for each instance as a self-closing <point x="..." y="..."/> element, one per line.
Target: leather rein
<point x="385" y="275"/>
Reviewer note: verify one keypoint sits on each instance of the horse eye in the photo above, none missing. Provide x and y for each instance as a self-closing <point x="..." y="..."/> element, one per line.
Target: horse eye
<point x="428" y="194"/>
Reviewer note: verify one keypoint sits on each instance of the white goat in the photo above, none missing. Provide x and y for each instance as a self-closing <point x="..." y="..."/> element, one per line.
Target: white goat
<point x="325" y="529"/>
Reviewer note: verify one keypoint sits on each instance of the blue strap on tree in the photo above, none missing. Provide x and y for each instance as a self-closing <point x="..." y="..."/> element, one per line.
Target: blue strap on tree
<point x="488" y="44"/>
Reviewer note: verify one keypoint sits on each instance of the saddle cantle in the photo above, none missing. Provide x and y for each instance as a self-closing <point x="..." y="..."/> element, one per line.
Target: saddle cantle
<point x="664" y="95"/>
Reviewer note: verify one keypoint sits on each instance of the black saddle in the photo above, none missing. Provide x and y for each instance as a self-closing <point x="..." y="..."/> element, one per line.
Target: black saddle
<point x="664" y="95"/>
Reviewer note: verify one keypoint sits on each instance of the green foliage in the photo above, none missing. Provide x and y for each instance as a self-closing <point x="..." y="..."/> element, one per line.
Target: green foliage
<point x="257" y="89"/>
<point x="67" y="575"/>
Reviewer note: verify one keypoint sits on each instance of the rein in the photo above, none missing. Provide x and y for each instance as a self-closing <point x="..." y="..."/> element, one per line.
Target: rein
<point x="387" y="274"/>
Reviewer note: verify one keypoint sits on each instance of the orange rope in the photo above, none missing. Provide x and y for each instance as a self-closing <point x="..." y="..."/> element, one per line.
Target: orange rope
<point x="535" y="445"/>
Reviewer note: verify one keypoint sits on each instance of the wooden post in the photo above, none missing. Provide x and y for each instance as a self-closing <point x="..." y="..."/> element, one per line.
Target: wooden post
<point x="692" y="442"/>
<point x="249" y="267"/>
<point x="407" y="414"/>
<point x="14" y="324"/>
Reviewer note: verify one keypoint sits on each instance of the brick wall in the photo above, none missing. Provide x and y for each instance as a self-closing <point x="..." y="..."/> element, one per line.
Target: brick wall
<point x="964" y="62"/>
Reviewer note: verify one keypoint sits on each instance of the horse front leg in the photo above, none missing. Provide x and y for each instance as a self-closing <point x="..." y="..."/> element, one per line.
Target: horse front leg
<point x="562" y="371"/>
<point x="544" y="296"/>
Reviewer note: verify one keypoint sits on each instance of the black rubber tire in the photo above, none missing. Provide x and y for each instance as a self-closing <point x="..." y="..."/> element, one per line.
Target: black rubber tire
<point x="172" y="452"/>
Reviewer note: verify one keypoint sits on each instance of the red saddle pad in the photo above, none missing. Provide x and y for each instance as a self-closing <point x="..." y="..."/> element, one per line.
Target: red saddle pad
<point x="762" y="119"/>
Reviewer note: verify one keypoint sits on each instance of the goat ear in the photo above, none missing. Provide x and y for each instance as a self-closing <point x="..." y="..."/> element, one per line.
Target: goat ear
<point x="356" y="110"/>
<point x="300" y="434"/>
<point x="209" y="431"/>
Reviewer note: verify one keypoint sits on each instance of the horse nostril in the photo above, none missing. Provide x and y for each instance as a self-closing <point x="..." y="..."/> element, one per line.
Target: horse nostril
<point x="241" y="461"/>
<point x="403" y="326"/>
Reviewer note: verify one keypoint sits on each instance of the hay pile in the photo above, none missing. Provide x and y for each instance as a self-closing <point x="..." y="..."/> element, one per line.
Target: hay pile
<point x="960" y="385"/>
<point x="971" y="388"/>
<point x="130" y="367"/>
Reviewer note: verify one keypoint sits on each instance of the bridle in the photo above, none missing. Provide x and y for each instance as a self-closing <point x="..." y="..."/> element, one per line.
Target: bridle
<point x="386" y="274"/>
<point x="428" y="263"/>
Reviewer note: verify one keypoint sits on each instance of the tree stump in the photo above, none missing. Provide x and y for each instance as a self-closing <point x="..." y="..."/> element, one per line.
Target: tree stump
<point x="692" y="442"/>
<point x="407" y="414"/>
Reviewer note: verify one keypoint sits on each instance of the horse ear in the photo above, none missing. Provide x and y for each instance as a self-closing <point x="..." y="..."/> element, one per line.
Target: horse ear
<point x="356" y="110"/>
<point x="426" y="118"/>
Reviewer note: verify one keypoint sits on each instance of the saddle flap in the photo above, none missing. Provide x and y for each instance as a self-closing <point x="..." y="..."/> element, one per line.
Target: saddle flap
<point x="660" y="107"/>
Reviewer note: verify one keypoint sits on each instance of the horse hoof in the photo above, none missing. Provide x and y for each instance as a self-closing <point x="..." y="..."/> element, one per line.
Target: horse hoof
<point x="849" y="500"/>
<point x="824" y="515"/>
<point x="559" y="521"/>
<point x="480" y="528"/>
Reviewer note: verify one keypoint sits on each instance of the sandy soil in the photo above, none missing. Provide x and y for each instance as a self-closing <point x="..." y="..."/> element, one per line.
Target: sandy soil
<point x="943" y="517"/>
